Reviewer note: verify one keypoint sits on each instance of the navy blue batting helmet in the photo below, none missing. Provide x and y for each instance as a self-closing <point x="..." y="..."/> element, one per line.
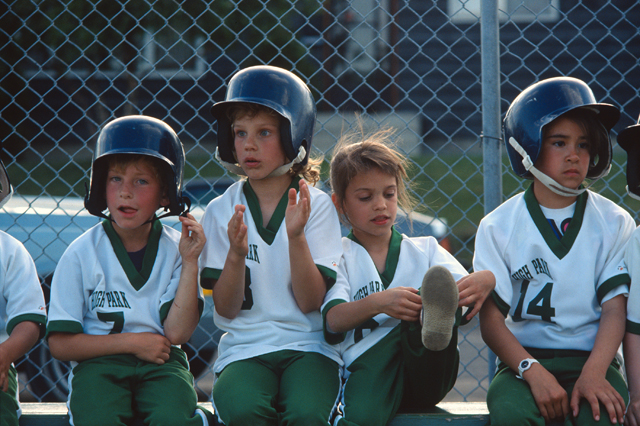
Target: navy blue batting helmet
<point x="275" y="88"/>
<point x="629" y="140"/>
<point x="542" y="103"/>
<point x="142" y="135"/>
<point x="5" y="185"/>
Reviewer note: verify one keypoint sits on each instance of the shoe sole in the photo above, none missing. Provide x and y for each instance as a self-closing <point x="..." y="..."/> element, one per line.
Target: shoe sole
<point x="439" y="294"/>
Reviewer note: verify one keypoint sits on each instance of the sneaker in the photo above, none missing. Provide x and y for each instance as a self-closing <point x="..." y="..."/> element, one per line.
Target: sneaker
<point x="439" y="294"/>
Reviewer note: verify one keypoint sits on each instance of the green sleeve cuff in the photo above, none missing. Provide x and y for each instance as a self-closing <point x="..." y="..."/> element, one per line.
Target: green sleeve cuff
<point x="632" y="327"/>
<point x="328" y="274"/>
<point x="40" y="320"/>
<point x="610" y="284"/>
<point x="73" y="327"/>
<point x="503" y="306"/>
<point x="208" y="276"/>
<point x="330" y="337"/>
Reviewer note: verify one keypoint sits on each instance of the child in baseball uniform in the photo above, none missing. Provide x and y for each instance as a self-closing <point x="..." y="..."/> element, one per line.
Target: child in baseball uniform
<point x="125" y="294"/>
<point x="395" y="315"/>
<point x="557" y="315"/>
<point x="273" y="246"/>
<point x="629" y="140"/>
<point x="22" y="311"/>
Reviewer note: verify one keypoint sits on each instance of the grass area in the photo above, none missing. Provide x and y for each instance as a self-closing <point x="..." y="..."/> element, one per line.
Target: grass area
<point x="447" y="186"/>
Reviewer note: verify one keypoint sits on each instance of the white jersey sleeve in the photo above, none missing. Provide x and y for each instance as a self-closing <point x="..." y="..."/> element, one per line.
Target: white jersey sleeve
<point x="96" y="289"/>
<point x="632" y="260"/>
<point x="21" y="297"/>
<point x="408" y="261"/>
<point x="270" y="319"/>
<point x="551" y="290"/>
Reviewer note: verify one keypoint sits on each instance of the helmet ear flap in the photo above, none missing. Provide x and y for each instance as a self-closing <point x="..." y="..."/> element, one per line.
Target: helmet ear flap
<point x="137" y="135"/>
<point x="633" y="170"/>
<point x="629" y="140"/>
<point x="5" y="185"/>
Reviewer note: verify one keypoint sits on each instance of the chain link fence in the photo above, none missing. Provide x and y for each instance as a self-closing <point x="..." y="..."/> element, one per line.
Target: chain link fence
<point x="68" y="67"/>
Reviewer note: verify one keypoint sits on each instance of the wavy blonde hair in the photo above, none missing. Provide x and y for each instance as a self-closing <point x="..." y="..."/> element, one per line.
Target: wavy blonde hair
<point x="309" y="172"/>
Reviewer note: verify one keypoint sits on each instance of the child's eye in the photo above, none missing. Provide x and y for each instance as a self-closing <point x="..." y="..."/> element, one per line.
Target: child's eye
<point x="390" y="194"/>
<point x="240" y="133"/>
<point x="143" y="181"/>
<point x="364" y="198"/>
<point x="114" y="179"/>
<point x="585" y="145"/>
<point x="265" y="133"/>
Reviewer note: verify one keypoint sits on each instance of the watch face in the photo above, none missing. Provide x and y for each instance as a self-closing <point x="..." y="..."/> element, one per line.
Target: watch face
<point x="524" y="364"/>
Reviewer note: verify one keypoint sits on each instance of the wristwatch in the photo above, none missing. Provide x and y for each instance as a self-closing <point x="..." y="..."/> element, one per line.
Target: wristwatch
<point x="524" y="365"/>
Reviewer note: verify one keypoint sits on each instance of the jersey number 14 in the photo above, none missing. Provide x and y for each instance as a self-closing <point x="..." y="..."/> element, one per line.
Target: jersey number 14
<point x="539" y="306"/>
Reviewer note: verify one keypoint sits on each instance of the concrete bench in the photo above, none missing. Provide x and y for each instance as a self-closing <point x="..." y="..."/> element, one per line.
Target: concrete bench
<point x="449" y="413"/>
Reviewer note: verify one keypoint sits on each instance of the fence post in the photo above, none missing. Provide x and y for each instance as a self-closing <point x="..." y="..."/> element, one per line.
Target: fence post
<point x="491" y="133"/>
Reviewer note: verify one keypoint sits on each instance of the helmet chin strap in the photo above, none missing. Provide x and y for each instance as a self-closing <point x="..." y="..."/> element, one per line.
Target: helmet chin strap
<point x="234" y="168"/>
<point x="631" y="194"/>
<point x="546" y="180"/>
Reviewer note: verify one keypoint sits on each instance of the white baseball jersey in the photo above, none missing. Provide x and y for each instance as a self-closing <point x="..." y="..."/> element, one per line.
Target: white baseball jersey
<point x="407" y="262"/>
<point x="552" y="289"/>
<point x="97" y="290"/>
<point x="270" y="319"/>
<point x="632" y="260"/>
<point x="21" y="297"/>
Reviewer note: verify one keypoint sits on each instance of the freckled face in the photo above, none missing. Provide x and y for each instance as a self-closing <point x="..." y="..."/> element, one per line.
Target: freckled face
<point x="133" y="193"/>
<point x="371" y="204"/>
<point x="257" y="144"/>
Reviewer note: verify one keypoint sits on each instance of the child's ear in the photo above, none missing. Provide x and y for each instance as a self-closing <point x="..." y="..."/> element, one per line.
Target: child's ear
<point x="336" y="203"/>
<point x="164" y="201"/>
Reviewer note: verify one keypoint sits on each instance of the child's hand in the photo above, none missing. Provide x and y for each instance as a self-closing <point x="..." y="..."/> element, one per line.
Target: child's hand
<point x="632" y="418"/>
<point x="237" y="232"/>
<point x="474" y="290"/>
<point x="192" y="239"/>
<point x="150" y="347"/>
<point x="297" y="214"/>
<point x="596" y="389"/>
<point x="403" y="303"/>
<point x="550" y="397"/>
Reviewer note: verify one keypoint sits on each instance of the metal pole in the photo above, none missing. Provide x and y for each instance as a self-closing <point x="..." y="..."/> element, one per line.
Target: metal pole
<point x="491" y="131"/>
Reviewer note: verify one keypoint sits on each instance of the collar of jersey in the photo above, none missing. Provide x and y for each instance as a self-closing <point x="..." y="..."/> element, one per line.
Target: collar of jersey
<point x="269" y="232"/>
<point x="393" y="256"/>
<point x="137" y="279"/>
<point x="560" y="247"/>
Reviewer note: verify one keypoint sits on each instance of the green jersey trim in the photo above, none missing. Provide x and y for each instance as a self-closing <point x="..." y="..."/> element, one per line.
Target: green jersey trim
<point x="328" y="274"/>
<point x="559" y="247"/>
<point x="269" y="232"/>
<point x="332" y="338"/>
<point x="503" y="306"/>
<point x="64" y="327"/>
<point x="40" y="320"/>
<point x="137" y="279"/>
<point x="393" y="256"/>
<point x="632" y="327"/>
<point x="208" y="276"/>
<point x="610" y="284"/>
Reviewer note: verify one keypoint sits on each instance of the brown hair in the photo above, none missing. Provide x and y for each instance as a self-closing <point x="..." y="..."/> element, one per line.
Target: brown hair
<point x="122" y="161"/>
<point x="588" y="121"/>
<point x="357" y="153"/>
<point x="309" y="172"/>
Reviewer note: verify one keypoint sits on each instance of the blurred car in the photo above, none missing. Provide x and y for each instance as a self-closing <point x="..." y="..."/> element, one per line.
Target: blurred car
<point x="46" y="226"/>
